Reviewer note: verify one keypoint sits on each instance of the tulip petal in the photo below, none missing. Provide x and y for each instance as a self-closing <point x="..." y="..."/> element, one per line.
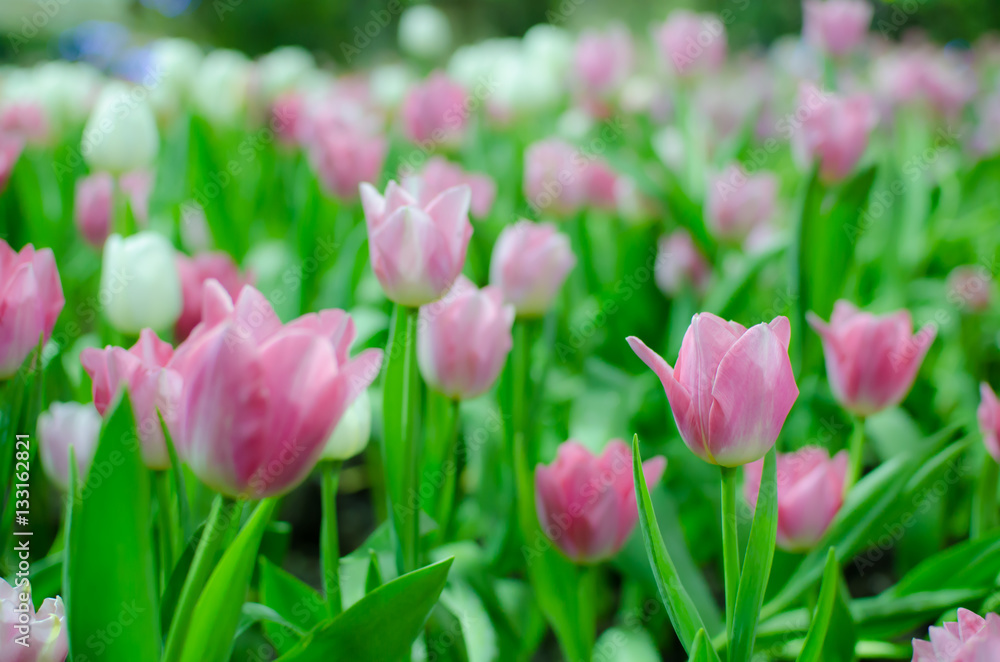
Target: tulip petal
<point x="677" y="395"/>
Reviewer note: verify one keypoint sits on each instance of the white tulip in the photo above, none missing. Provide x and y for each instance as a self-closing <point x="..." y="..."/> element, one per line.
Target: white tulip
<point x="175" y="64"/>
<point x="219" y="91"/>
<point x="283" y="70"/>
<point x="120" y="135"/>
<point x="424" y="31"/>
<point x="389" y="84"/>
<point x="352" y="432"/>
<point x="140" y="286"/>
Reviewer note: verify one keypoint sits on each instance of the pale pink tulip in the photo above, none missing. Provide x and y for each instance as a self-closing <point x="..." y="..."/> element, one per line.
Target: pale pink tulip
<point x="288" y="117"/>
<point x="193" y="272"/>
<point x="440" y="174"/>
<point x="137" y="187"/>
<point x="556" y="177"/>
<point x="971" y="288"/>
<point x="601" y="183"/>
<point x="836" y="26"/>
<point x="739" y="202"/>
<point x="92" y="207"/>
<point x="603" y="60"/>
<point x="31" y="299"/>
<point x="731" y="389"/>
<point x="871" y="360"/>
<point x="260" y="399"/>
<point x="942" y="80"/>
<point x="344" y="157"/>
<point x="44" y="631"/>
<point x="10" y="151"/>
<point x="434" y="112"/>
<point x="154" y="389"/>
<point x="417" y="251"/>
<point x="586" y="503"/>
<point x="971" y="639"/>
<point x="988" y="414"/>
<point x="62" y="426"/>
<point x="463" y="339"/>
<point x="834" y="130"/>
<point x="691" y="42"/>
<point x="679" y="264"/>
<point x="530" y="263"/>
<point x="27" y="121"/>
<point x="810" y="493"/>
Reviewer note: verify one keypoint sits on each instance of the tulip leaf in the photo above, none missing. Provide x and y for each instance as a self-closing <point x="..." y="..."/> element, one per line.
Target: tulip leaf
<point x="380" y="626"/>
<point x="681" y="609"/>
<point x="296" y="602"/>
<point x="172" y="591"/>
<point x="757" y="563"/>
<point x="216" y="615"/>
<point x="818" y="628"/>
<point x="373" y="578"/>
<point x="701" y="649"/>
<point x="109" y="569"/>
<point x="445" y="639"/>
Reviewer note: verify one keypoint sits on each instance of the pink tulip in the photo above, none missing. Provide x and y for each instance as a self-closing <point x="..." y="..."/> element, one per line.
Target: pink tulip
<point x="556" y="178"/>
<point x="92" y="207"/>
<point x="27" y="121"/>
<point x="260" y="399"/>
<point x="45" y="631"/>
<point x="836" y="26"/>
<point x="31" y="299"/>
<point x="871" y="360"/>
<point x="586" y="503"/>
<point x="463" y="339"/>
<point x="344" y="157"/>
<point x="440" y="174"/>
<point x="288" y="117"/>
<point x="940" y="79"/>
<point x="193" y="272"/>
<point x="530" y="263"/>
<point x="417" y="251"/>
<point x="970" y="639"/>
<point x="601" y="183"/>
<point x="988" y="414"/>
<point x="603" y="60"/>
<point x="10" y="151"/>
<point x="137" y="187"/>
<point x="810" y="493"/>
<point x="731" y="389"/>
<point x="154" y="389"/>
<point x="66" y="425"/>
<point x="679" y="264"/>
<point x="691" y="42"/>
<point x="970" y="287"/>
<point x="738" y="202"/>
<point x="434" y="112"/>
<point x="834" y="130"/>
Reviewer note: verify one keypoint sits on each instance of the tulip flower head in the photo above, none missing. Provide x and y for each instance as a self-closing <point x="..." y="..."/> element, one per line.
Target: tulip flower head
<point x="424" y="31"/>
<point x="738" y="202"/>
<point x="586" y="502"/>
<point x="139" y="283"/>
<point x="603" y="60"/>
<point x="463" y="339"/>
<point x="555" y="179"/>
<point x="836" y="26"/>
<point x="731" y="388"/>
<point x="434" y="112"/>
<point x="417" y="251"/>
<point x="439" y="175"/>
<point x="810" y="493"/>
<point x="344" y="157"/>
<point x="31" y="299"/>
<point x="92" y="207"/>
<point x="530" y="263"/>
<point x="988" y="414"/>
<point x="871" y="360"/>
<point x="971" y="639"/>
<point x="680" y="264"/>
<point x="27" y="635"/>
<point x="121" y="134"/>
<point x="137" y="187"/>
<point x="971" y="288"/>
<point x="63" y="426"/>
<point x="690" y="43"/>
<point x="193" y="272"/>
<point x="353" y="431"/>
<point x="834" y="131"/>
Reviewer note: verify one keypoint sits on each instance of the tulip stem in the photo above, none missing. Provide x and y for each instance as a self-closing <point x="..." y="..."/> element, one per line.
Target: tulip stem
<point x="984" y="509"/>
<point x="856" y="454"/>
<point x="446" y="499"/>
<point x="330" y="545"/>
<point x="730" y="543"/>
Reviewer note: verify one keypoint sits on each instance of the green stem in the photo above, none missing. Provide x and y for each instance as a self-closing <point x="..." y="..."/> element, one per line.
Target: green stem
<point x="448" y="489"/>
<point x="329" y="544"/>
<point x="209" y="548"/>
<point x="521" y="357"/>
<point x="985" y="506"/>
<point x="168" y="538"/>
<point x="856" y="454"/>
<point x="730" y="544"/>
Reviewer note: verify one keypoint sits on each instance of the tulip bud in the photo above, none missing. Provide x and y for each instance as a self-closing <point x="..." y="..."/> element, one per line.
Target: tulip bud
<point x="177" y="62"/>
<point x="555" y="179"/>
<point x="137" y="187"/>
<point x="92" y="207"/>
<point x="586" y="503"/>
<point x="738" y="203"/>
<point x="424" y="32"/>
<point x="352" y="433"/>
<point x="140" y="287"/>
<point x="344" y="157"/>
<point x="690" y="42"/>
<point x="463" y="340"/>
<point x="31" y="299"/>
<point x="871" y="360"/>
<point x="971" y="639"/>
<point x="65" y="425"/>
<point x="834" y="130"/>
<point x="434" y="112"/>
<point x="219" y="90"/>
<point x="282" y="70"/>
<point x="417" y="251"/>
<point x="193" y="273"/>
<point x="530" y="263"/>
<point x="679" y="264"/>
<point x="603" y="60"/>
<point x="45" y="631"/>
<point x="810" y="493"/>
<point x="971" y="288"/>
<point x="731" y="389"/>
<point x="988" y="414"/>
<point x="120" y="134"/>
<point x="439" y="175"/>
<point x="10" y="152"/>
<point x="836" y="26"/>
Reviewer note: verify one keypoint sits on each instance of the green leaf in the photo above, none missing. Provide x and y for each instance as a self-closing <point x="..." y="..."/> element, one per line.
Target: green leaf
<point x="217" y="613"/>
<point x="683" y="614"/>
<point x="813" y="647"/>
<point x="172" y="591"/>
<point x="109" y="569"/>
<point x="373" y="578"/>
<point x="253" y="613"/>
<point x="296" y="602"/>
<point x="757" y="564"/>
<point x="701" y="649"/>
<point x="445" y="639"/>
<point x="379" y="627"/>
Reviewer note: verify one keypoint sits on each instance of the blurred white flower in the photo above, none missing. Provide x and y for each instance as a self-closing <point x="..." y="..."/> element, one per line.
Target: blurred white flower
<point x="219" y="91"/>
<point x="424" y="31"/>
<point x="283" y="70"/>
<point x="140" y="286"/>
<point x="175" y="64"/>
<point x="121" y="135"/>
<point x="389" y="84"/>
<point x="352" y="432"/>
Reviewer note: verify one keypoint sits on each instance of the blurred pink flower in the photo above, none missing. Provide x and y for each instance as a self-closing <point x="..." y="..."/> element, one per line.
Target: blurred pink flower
<point x="601" y="183"/>
<point x="970" y="287"/>
<point x="834" y="130"/>
<point x="738" y="202"/>
<point x="602" y="60"/>
<point x="31" y="298"/>
<point x="440" y="174"/>
<point x="65" y="425"/>
<point x="691" y="42"/>
<point x="988" y="415"/>
<point x="680" y="264"/>
<point x="47" y="638"/>
<point x="11" y="147"/>
<point x="941" y="79"/>
<point x="92" y="207"/>
<point x="193" y="272"/>
<point x="28" y="121"/>
<point x="287" y="117"/>
<point x="530" y="263"/>
<point x="343" y="158"/>
<point x="556" y="177"/>
<point x="434" y="112"/>
<point x="971" y="639"/>
<point x="137" y="187"/>
<point x="836" y="26"/>
<point x="586" y="503"/>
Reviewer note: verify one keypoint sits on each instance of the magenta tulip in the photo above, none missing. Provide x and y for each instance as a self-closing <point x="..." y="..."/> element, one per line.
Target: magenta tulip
<point x="731" y="389"/>
<point x="836" y="26"/>
<point x="31" y="299"/>
<point x="463" y="339"/>
<point x="871" y="360"/>
<point x="834" y="130"/>
<point x="988" y="414"/>
<point x="586" y="503"/>
<point x="555" y="177"/>
<point x="434" y="112"/>
<point x="193" y="272"/>
<point x="691" y="43"/>
<point x="63" y="426"/>
<point x="530" y="263"/>
<point x="602" y="60"/>
<point x="10" y="151"/>
<point x="440" y="174"/>
<point x="971" y="639"/>
<point x="154" y="389"/>
<point x="260" y="399"/>
<point x="810" y="493"/>
<point x="679" y="264"/>
<point x="417" y="251"/>
<point x="92" y="207"/>
<point x="738" y="202"/>
<point x="343" y="157"/>
<point x="44" y="632"/>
